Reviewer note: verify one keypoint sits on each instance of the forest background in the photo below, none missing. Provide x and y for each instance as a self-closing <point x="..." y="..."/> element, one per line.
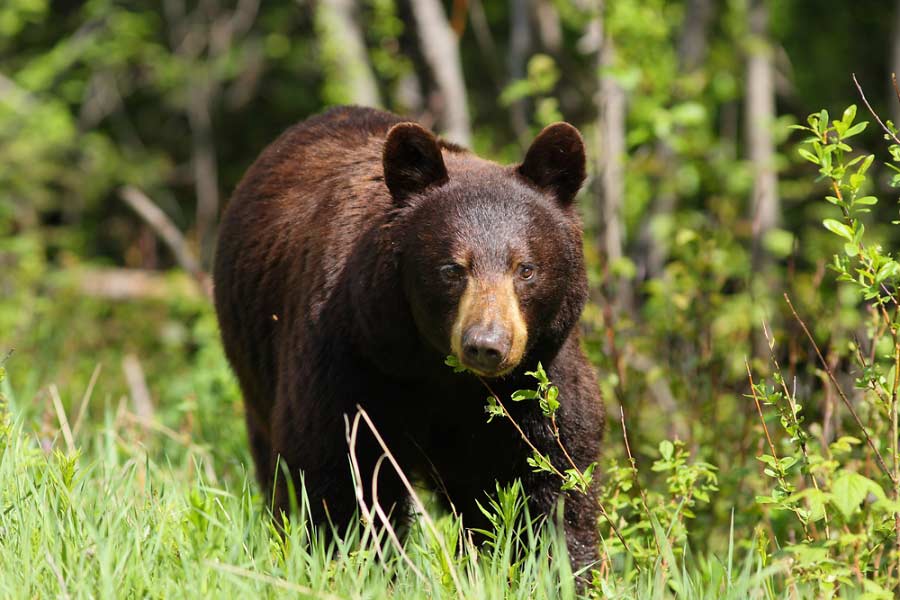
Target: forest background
<point x="743" y="325"/>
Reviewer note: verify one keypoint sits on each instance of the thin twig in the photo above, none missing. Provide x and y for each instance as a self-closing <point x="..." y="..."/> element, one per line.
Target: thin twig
<point x="556" y="471"/>
<point x="562" y="447"/>
<point x="871" y="382"/>
<point x="895" y="441"/>
<point x="415" y="497"/>
<point x="386" y="520"/>
<point x="896" y="89"/>
<point x="634" y="476"/>
<point x="168" y="232"/>
<point x="777" y="469"/>
<point x="796" y="423"/>
<point x="759" y="410"/>
<point x="841" y="393"/>
<point x="516" y="425"/>
<point x="351" y="433"/>
<point x="877" y="118"/>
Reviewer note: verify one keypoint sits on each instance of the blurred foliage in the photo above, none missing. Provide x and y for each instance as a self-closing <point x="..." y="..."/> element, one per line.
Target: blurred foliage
<point x="97" y="94"/>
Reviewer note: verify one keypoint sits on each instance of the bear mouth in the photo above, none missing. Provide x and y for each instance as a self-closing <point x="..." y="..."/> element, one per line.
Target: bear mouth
<point x="500" y="371"/>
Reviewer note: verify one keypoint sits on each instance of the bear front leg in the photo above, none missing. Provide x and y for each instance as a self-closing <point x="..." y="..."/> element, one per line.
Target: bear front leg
<point x="580" y="518"/>
<point x="324" y="482"/>
<point x="318" y="461"/>
<point x="581" y="512"/>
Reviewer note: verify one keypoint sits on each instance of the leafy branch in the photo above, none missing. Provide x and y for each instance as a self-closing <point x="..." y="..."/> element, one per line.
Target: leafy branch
<point x="547" y="396"/>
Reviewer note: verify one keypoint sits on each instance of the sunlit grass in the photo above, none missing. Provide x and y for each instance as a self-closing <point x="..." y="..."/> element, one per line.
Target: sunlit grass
<point x="136" y="510"/>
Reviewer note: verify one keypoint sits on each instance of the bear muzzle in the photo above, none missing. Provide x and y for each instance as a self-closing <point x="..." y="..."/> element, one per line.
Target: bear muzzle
<point x="485" y="348"/>
<point x="489" y="333"/>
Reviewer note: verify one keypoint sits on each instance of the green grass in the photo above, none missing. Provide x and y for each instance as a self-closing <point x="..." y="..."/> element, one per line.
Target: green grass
<point x="132" y="510"/>
<point x="95" y="502"/>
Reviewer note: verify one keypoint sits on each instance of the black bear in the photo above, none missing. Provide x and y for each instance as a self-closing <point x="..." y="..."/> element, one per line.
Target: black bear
<point x="358" y="251"/>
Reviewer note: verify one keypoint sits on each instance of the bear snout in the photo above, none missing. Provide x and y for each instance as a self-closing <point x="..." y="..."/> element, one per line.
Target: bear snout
<point x="486" y="347"/>
<point x="489" y="334"/>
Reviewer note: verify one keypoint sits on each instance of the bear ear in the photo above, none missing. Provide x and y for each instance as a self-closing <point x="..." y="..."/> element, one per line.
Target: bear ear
<point x="412" y="161"/>
<point x="555" y="162"/>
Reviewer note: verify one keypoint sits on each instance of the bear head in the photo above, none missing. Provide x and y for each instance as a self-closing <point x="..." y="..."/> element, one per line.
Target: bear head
<point x="490" y="257"/>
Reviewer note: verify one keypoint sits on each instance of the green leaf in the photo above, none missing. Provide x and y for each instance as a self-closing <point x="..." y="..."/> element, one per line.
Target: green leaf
<point x="540" y="463"/>
<point x="865" y="165"/>
<point x="808" y="155"/>
<point x="823" y="121"/>
<point x="807" y="553"/>
<point x="520" y="395"/>
<point x="849" y="115"/>
<point x="850" y="489"/>
<point x="888" y="269"/>
<point x="816" y="500"/>
<point x="787" y="462"/>
<point x="493" y="409"/>
<point x="666" y="449"/>
<point x="539" y="374"/>
<point x="765" y="458"/>
<point x="886" y="505"/>
<point x="838" y="228"/>
<point x="552" y="400"/>
<point x="779" y="242"/>
<point x="452" y="361"/>
<point x="588" y="473"/>
<point x="574" y="479"/>
<point x="858" y="128"/>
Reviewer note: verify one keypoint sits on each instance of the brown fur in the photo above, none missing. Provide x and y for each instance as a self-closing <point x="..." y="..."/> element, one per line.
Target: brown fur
<point x="328" y="296"/>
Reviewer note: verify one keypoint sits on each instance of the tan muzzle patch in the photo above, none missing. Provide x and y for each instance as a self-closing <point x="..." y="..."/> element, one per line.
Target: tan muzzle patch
<point x="488" y="320"/>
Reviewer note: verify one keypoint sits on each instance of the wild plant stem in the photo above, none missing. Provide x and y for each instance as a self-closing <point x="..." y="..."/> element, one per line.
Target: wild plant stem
<point x="556" y="471"/>
<point x="874" y="114"/>
<point x="894" y="441"/>
<point x="796" y="423"/>
<point x="563" y="448"/>
<point x="879" y="459"/>
<point x="777" y="469"/>
<point x="417" y="502"/>
<point x="524" y="437"/>
<point x="634" y="475"/>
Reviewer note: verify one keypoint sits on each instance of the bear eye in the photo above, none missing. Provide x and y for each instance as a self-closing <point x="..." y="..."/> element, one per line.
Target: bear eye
<point x="453" y="273"/>
<point x="526" y="271"/>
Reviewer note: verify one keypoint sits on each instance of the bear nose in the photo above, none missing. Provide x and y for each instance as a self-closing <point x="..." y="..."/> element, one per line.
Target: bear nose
<point x="485" y="348"/>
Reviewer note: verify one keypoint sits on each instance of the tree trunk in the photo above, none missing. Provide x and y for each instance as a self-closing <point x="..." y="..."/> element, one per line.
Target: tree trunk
<point x="610" y="157"/>
<point x="549" y="27"/>
<point x="693" y="43"/>
<point x="440" y="47"/>
<point x="692" y="47"/>
<point x="344" y="51"/>
<point x="519" y="48"/>
<point x="895" y="62"/>
<point x="214" y="29"/>
<point x="760" y="115"/>
<point x="205" y="168"/>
